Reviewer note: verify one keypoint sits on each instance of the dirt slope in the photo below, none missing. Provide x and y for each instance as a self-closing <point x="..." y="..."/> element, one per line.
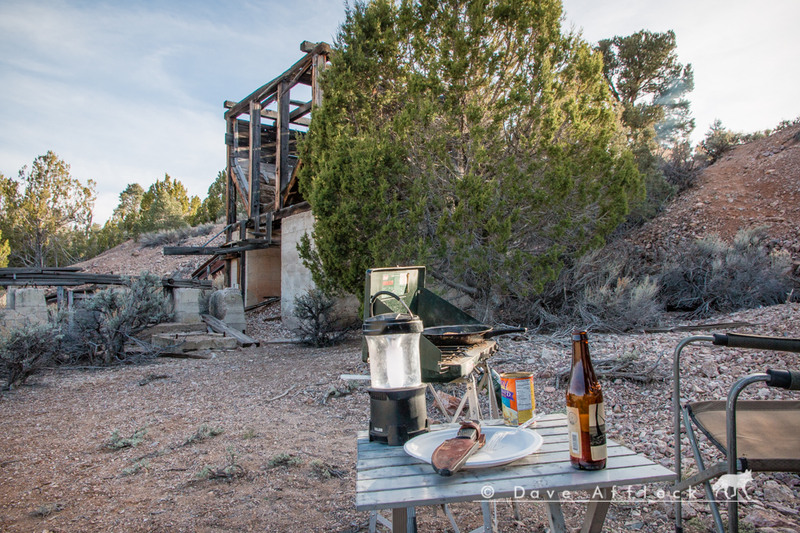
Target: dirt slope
<point x="132" y="258"/>
<point x="756" y="184"/>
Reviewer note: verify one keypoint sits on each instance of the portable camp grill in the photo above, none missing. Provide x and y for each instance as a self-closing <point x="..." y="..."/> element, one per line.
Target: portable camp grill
<point x="438" y="364"/>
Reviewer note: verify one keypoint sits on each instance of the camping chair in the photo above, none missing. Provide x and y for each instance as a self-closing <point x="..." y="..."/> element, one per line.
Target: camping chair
<point x="753" y="435"/>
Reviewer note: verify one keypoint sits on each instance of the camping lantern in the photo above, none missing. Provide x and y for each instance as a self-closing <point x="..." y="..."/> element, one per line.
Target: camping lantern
<point x="397" y="396"/>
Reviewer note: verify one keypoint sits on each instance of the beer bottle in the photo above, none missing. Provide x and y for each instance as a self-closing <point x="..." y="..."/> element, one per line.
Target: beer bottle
<point x="585" y="412"/>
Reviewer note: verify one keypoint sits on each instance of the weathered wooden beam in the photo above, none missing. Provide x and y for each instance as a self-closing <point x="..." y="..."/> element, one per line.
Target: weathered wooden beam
<point x="255" y="160"/>
<point x="237" y="177"/>
<point x="291" y="210"/>
<point x="318" y="63"/>
<point x="292" y="73"/>
<point x="282" y="142"/>
<point x="300" y="111"/>
<point x="221" y="327"/>
<point x="308" y="46"/>
<point x="298" y="120"/>
<point x="214" y="250"/>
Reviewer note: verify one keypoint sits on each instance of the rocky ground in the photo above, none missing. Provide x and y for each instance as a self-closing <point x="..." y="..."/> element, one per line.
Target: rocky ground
<point x="755" y="185"/>
<point x="264" y="438"/>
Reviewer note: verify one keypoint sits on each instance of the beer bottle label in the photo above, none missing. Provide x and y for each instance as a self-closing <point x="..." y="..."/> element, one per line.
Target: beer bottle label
<point x="574" y="429"/>
<point x="597" y="431"/>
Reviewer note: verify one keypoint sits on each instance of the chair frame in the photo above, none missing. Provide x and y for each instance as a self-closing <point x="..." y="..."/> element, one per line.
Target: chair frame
<point x="732" y="463"/>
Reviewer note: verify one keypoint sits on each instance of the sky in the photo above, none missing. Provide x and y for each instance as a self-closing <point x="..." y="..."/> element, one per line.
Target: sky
<point x="127" y="91"/>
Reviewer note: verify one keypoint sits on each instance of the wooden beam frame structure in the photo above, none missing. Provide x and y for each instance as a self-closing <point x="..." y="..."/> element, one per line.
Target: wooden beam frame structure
<point x="255" y="137"/>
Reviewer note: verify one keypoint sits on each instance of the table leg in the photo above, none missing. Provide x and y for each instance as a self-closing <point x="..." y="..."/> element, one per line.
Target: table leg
<point x="556" y="517"/>
<point x="404" y="520"/>
<point x="489" y="510"/>
<point x="596" y="511"/>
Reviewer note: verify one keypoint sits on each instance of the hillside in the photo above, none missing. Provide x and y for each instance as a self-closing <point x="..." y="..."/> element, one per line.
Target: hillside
<point x="756" y="184"/>
<point x="132" y="258"/>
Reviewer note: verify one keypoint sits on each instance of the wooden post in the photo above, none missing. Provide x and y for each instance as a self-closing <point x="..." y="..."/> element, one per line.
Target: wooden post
<point x="282" y="143"/>
<point x="255" y="163"/>
<point x="230" y="190"/>
<point x="318" y="62"/>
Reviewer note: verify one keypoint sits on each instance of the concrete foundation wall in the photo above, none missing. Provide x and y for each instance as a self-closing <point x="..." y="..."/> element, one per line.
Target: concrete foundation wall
<point x="296" y="278"/>
<point x="23" y="306"/>
<point x="186" y="305"/>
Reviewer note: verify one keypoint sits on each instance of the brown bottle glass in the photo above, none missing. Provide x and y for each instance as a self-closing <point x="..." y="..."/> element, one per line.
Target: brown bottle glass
<point x="585" y="410"/>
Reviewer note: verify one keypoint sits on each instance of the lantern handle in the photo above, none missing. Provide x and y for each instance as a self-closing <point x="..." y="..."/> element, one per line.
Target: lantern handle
<point x="375" y="297"/>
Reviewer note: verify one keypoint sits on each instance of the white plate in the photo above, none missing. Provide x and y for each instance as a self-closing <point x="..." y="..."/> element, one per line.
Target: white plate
<point x="512" y="444"/>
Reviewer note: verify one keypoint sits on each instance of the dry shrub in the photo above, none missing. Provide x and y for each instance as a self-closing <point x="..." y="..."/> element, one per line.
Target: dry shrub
<point x="113" y="317"/>
<point x="709" y="276"/>
<point x="318" y="322"/>
<point x="605" y="290"/>
<point x="27" y="349"/>
<point x="176" y="235"/>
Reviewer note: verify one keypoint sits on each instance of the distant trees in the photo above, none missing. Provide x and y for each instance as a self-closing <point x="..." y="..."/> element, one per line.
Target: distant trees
<point x="473" y="137"/>
<point x="165" y="205"/>
<point x="5" y="250"/>
<point x="644" y="75"/>
<point x="213" y="207"/>
<point x="44" y="213"/>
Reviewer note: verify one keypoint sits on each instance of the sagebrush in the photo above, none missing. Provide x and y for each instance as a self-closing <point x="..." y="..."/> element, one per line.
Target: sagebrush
<point x="27" y="349"/>
<point x="318" y="323"/>
<point x="710" y="275"/>
<point x="101" y="327"/>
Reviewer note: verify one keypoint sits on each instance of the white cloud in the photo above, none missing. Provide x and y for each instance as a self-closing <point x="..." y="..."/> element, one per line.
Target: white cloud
<point x="126" y="92"/>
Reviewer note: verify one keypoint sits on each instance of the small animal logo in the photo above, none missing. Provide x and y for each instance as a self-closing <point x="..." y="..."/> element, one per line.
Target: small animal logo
<point x="735" y="481"/>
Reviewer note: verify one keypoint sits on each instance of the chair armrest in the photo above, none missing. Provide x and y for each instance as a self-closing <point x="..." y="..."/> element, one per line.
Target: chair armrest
<point x="784" y="379"/>
<point x="758" y="342"/>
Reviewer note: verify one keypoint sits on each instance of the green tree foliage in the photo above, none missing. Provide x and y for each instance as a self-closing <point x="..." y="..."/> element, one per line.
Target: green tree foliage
<point x="645" y="77"/>
<point x="5" y="249"/>
<point x="718" y="141"/>
<point x="213" y="207"/>
<point x="44" y="213"/>
<point x="471" y="136"/>
<point x="127" y="214"/>
<point x="644" y="74"/>
<point x="165" y="205"/>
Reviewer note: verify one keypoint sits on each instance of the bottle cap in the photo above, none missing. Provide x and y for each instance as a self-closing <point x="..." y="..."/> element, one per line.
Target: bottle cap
<point x="579" y="334"/>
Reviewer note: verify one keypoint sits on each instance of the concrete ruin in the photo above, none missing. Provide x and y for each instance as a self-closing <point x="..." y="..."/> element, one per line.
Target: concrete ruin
<point x="24" y="306"/>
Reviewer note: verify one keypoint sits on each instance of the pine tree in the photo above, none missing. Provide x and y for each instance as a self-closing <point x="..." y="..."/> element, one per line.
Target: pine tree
<point x="470" y="136"/>
<point x="44" y="212"/>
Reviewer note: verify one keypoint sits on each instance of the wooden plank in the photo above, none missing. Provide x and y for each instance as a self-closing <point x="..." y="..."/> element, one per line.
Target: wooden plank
<point x="254" y="173"/>
<point x="318" y="64"/>
<point x="282" y="146"/>
<point x="432" y="495"/>
<point x="300" y="121"/>
<point x="215" y="250"/>
<point x="300" y="111"/>
<point x="221" y="327"/>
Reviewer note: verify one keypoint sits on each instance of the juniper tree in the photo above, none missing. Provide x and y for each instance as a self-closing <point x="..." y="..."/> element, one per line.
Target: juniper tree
<point x="43" y="212"/>
<point x="471" y="136"/>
